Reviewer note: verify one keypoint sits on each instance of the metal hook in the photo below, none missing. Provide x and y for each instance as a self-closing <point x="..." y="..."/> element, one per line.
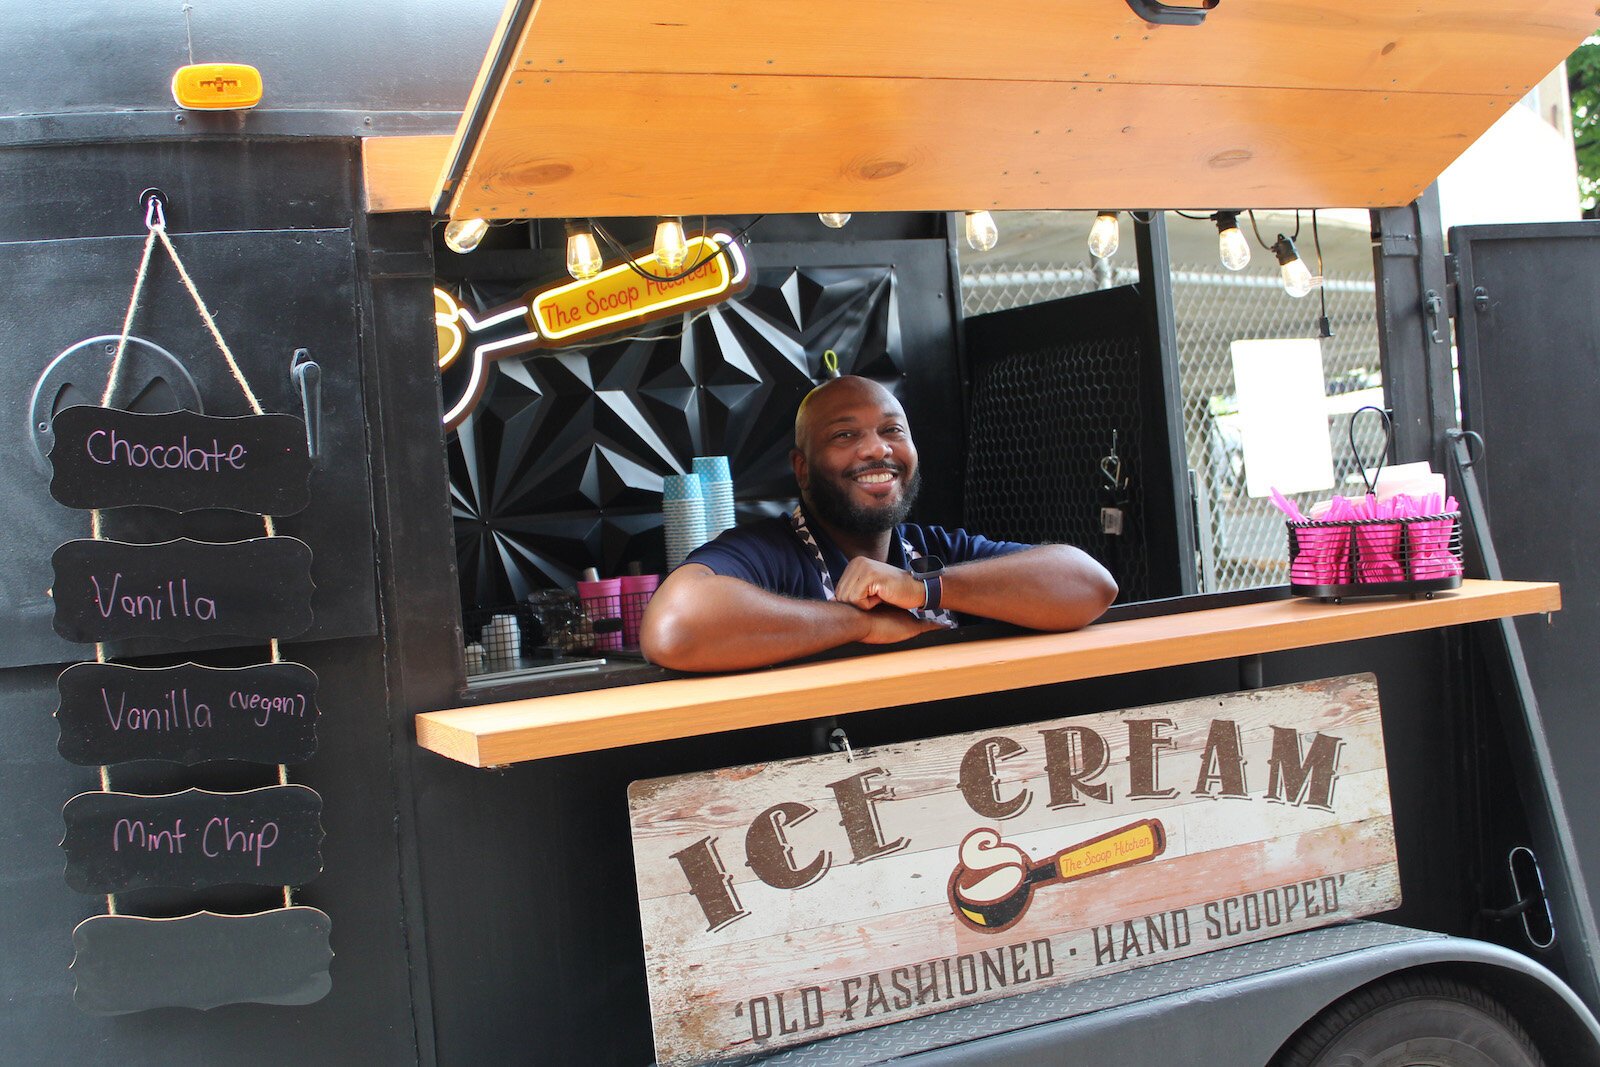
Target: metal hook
<point x="307" y="375"/>
<point x="1467" y="436"/>
<point x="1111" y="466"/>
<point x="841" y="743"/>
<point x="154" y="203"/>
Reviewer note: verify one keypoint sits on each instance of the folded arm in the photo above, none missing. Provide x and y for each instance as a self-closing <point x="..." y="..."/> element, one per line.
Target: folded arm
<point x="1047" y="587"/>
<point x="703" y="621"/>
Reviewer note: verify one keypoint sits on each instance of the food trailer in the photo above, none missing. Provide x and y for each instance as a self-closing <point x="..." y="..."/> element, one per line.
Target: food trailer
<point x="277" y="438"/>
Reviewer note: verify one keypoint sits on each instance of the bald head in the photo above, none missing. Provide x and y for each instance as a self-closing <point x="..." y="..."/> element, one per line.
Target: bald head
<point x="853" y="457"/>
<point x="826" y="400"/>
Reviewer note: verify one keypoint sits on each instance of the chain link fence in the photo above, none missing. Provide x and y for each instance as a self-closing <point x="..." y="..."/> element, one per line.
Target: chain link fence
<point x="1241" y="539"/>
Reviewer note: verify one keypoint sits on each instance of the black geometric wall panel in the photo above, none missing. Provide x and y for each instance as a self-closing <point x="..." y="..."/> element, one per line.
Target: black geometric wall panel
<point x="561" y="465"/>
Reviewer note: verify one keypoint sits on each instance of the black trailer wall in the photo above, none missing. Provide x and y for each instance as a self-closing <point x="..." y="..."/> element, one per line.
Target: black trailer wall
<point x="267" y="230"/>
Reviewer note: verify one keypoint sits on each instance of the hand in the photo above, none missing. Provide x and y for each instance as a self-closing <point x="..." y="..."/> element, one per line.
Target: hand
<point x="888" y="625"/>
<point x="866" y="584"/>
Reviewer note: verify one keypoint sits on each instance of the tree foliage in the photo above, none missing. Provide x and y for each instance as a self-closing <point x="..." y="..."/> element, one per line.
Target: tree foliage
<point x="1583" y="81"/>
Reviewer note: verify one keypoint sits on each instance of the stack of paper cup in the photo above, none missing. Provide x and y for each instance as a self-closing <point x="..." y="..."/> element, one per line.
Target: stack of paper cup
<point x="683" y="515"/>
<point x="713" y="471"/>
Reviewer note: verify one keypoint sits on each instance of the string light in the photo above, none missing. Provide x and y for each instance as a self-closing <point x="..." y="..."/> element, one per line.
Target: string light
<point x="583" y="253"/>
<point x="1297" y="279"/>
<point x="982" y="233"/>
<point x="464" y="235"/>
<point x="672" y="247"/>
<point x="834" y="220"/>
<point x="1232" y="246"/>
<point x="1105" y="235"/>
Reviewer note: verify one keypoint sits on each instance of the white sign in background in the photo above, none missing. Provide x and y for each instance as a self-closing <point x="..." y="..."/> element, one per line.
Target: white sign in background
<point x="1283" y="416"/>
<point x="786" y="902"/>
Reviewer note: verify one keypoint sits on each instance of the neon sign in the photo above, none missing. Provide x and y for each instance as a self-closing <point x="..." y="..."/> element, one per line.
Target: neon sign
<point x="616" y="298"/>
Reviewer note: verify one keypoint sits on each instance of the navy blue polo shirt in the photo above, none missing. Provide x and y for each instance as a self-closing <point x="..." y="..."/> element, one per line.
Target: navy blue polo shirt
<point x="768" y="553"/>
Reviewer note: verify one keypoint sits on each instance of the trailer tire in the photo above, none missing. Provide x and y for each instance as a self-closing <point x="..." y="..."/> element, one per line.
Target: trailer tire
<point x="1412" y="1019"/>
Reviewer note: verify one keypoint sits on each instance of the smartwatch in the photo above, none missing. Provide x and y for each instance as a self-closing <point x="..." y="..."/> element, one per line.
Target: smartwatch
<point x="929" y="570"/>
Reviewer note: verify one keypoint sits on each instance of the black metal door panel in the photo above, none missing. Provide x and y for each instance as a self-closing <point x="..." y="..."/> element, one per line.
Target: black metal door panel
<point x="1528" y="337"/>
<point x="271" y="292"/>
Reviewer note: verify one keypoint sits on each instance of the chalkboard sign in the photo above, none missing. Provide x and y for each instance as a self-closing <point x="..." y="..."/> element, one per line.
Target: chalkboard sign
<point x="110" y="713"/>
<point x="183" y="589"/>
<point x="125" y="963"/>
<point x="180" y="460"/>
<point x="120" y="841"/>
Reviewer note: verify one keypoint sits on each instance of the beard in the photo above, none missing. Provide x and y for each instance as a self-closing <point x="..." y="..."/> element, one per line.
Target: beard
<point x="830" y="501"/>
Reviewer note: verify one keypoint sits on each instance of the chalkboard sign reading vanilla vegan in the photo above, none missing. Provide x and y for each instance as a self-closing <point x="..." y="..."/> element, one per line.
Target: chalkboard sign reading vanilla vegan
<point x="189" y="840"/>
<point x="180" y="460"/>
<point x="127" y="963"/>
<point x="182" y="590"/>
<point x="111" y="713"/>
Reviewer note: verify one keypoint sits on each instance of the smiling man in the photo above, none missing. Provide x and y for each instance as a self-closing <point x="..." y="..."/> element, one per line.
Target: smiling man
<point x="846" y="567"/>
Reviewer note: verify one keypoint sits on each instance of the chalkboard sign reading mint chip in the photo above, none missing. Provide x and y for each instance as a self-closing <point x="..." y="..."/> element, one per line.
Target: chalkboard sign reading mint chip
<point x="180" y="460"/>
<point x="111" y="713"/>
<point x="121" y="841"/>
<point x="182" y="590"/>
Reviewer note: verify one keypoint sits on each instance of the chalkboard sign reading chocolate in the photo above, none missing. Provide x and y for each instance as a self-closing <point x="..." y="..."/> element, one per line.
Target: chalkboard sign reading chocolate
<point x="121" y="841"/>
<point x="180" y="460"/>
<point x="183" y="589"/>
<point x="110" y="713"/>
<point x="125" y="963"/>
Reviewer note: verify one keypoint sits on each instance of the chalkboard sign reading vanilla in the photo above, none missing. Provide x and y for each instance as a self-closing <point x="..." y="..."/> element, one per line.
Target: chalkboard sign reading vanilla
<point x="180" y="460"/>
<point x="182" y="590"/>
<point x="111" y="713"/>
<point x="121" y="841"/>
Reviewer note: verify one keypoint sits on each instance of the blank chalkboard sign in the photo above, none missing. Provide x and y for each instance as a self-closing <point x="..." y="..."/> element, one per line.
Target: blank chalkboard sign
<point x="182" y="590"/>
<point x="180" y="460"/>
<point x="125" y="963"/>
<point x="111" y="713"/>
<point x="121" y="841"/>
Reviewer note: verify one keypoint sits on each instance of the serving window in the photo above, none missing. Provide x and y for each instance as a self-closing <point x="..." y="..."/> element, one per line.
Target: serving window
<point x="1018" y="387"/>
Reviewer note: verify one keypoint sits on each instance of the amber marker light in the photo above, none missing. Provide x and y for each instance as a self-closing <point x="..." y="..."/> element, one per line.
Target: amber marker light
<point x="217" y="86"/>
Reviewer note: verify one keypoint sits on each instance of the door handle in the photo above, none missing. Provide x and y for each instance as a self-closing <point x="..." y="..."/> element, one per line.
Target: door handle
<point x="1153" y="11"/>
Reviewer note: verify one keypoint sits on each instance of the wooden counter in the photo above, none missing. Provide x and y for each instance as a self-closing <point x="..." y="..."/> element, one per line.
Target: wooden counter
<point x="495" y="734"/>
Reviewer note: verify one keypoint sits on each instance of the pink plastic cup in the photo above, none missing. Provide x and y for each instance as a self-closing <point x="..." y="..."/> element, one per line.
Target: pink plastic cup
<point x="602" y="602"/>
<point x="636" y="592"/>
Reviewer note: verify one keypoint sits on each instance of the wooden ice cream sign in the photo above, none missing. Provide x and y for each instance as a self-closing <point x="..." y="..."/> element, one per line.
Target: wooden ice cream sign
<point x="787" y="902"/>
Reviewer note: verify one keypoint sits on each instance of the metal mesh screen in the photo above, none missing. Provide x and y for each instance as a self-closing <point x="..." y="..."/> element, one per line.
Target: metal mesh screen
<point x="1041" y="421"/>
<point x="1241" y="540"/>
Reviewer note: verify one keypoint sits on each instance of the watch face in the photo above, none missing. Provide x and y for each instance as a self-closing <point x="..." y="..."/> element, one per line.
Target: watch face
<point x="927" y="567"/>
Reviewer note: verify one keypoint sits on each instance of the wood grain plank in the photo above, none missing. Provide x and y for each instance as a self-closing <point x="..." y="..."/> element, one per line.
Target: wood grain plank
<point x="403" y="173"/>
<point x="494" y="734"/>
<point x="575" y="143"/>
<point x="1457" y="46"/>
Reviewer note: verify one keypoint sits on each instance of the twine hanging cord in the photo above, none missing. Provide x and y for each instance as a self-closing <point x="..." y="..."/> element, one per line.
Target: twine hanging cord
<point x="156" y="224"/>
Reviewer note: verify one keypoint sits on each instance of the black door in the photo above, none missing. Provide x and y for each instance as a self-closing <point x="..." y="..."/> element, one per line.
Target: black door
<point x="1528" y="340"/>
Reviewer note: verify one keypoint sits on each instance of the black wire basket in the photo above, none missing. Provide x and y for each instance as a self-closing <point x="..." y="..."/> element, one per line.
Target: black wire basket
<point x="1416" y="556"/>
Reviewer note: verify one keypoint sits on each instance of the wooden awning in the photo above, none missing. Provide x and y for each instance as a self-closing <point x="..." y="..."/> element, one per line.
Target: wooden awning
<point x="638" y="107"/>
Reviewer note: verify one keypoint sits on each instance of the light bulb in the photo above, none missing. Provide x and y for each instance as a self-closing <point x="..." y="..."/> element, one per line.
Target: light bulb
<point x="1105" y="235"/>
<point x="1232" y="245"/>
<point x="982" y="233"/>
<point x="464" y="235"/>
<point x="583" y="254"/>
<point x="834" y="220"/>
<point x="672" y="247"/>
<point x="1297" y="279"/>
